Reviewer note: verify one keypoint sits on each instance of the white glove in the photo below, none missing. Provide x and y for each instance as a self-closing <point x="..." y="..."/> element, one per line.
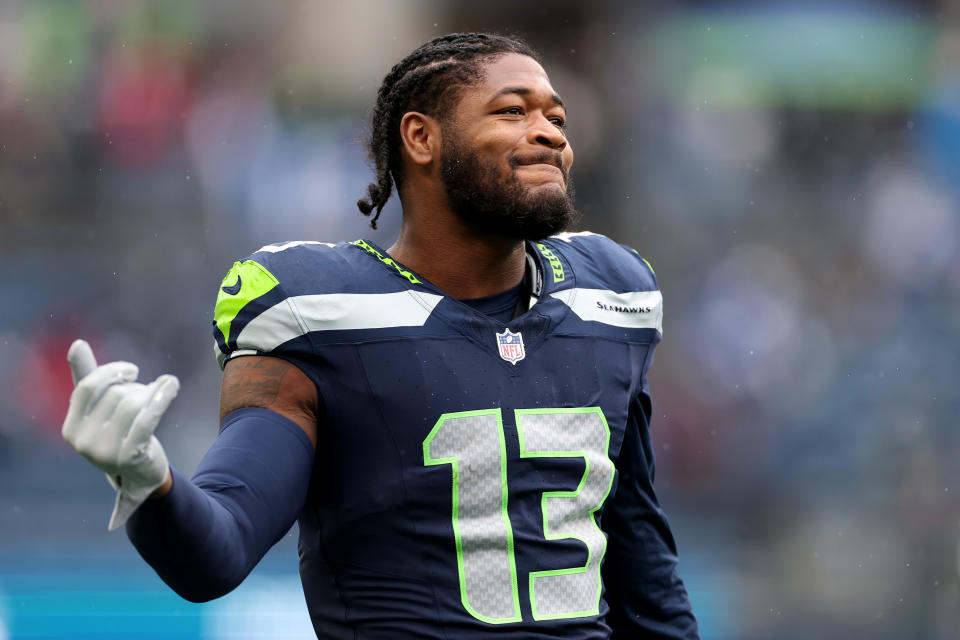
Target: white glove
<point x="111" y="421"/>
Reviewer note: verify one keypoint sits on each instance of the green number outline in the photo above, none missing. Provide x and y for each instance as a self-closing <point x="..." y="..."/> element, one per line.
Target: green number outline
<point x="518" y="414"/>
<point x="455" y="489"/>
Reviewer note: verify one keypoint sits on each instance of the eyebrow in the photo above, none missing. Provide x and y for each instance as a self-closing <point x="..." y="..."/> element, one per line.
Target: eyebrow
<point x="523" y="91"/>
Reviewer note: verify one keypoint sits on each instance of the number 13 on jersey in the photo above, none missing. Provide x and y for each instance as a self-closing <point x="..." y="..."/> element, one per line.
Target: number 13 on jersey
<point x="473" y="444"/>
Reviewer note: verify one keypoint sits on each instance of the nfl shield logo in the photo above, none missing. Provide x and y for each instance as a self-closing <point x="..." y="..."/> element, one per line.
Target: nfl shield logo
<point x="511" y="346"/>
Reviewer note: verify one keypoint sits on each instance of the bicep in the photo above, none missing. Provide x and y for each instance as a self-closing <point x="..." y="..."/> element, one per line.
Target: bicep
<point x="270" y="383"/>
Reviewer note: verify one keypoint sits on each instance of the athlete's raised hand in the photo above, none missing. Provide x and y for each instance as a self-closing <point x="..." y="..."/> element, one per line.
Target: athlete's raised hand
<point x="111" y="421"/>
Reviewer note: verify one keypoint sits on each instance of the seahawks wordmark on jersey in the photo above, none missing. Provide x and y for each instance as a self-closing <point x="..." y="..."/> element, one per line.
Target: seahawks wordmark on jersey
<point x="472" y="479"/>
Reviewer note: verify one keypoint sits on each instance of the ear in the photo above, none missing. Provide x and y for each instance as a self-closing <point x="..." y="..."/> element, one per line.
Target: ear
<point x="420" y="135"/>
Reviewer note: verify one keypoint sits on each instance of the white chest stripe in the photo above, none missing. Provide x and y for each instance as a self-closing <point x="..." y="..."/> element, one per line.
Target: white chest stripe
<point x="634" y="309"/>
<point x="298" y="315"/>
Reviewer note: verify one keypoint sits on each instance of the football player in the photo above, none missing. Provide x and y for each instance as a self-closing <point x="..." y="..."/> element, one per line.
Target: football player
<point x="459" y="422"/>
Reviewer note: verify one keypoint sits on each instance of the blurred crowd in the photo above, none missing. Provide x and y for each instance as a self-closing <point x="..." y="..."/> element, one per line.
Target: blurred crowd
<point x="790" y="169"/>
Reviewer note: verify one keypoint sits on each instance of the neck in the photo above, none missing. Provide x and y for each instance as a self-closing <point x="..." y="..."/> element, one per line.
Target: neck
<point x="455" y="258"/>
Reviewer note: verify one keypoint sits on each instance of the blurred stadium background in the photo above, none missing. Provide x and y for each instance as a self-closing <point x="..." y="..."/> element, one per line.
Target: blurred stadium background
<point x="790" y="169"/>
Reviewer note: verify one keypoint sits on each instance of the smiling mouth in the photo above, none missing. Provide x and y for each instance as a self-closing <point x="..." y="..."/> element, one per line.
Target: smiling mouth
<point x="540" y="164"/>
<point x="544" y="173"/>
<point x="543" y="166"/>
<point x="552" y="159"/>
<point x="542" y="161"/>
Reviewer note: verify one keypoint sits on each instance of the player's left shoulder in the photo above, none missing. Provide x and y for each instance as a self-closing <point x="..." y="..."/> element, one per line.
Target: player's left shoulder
<point x="602" y="263"/>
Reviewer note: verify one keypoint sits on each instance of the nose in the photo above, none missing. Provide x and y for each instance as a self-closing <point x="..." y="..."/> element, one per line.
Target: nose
<point x="543" y="132"/>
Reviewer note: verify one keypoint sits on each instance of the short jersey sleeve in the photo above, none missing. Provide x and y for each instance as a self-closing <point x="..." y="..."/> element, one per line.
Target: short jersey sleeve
<point x="615" y="285"/>
<point x="646" y="264"/>
<point x="252" y="314"/>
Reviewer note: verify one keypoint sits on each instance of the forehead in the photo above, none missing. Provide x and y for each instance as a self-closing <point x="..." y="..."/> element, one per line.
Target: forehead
<point x="514" y="66"/>
<point x="513" y="69"/>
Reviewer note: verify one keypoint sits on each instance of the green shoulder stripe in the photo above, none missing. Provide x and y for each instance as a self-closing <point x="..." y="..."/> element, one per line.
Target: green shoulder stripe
<point x="363" y="244"/>
<point x="649" y="265"/>
<point x="246" y="281"/>
<point x="555" y="265"/>
<point x="645" y="261"/>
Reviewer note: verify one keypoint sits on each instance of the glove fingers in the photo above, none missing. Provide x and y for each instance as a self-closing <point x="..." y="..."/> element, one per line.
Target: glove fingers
<point x="92" y="387"/>
<point x="90" y="390"/>
<point x="162" y="391"/>
<point x="132" y="396"/>
<point x="82" y="362"/>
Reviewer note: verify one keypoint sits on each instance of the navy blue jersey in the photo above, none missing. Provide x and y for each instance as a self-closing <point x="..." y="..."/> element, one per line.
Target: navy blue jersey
<point x="473" y="479"/>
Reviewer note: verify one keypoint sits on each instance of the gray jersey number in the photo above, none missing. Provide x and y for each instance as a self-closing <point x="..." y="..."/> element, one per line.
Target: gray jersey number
<point x="472" y="442"/>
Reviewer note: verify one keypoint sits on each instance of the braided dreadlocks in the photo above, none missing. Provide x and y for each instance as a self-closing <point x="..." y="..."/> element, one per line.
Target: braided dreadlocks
<point x="428" y="80"/>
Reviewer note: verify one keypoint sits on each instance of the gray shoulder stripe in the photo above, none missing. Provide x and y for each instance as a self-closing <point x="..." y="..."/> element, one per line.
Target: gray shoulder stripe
<point x="298" y="315"/>
<point x="633" y="309"/>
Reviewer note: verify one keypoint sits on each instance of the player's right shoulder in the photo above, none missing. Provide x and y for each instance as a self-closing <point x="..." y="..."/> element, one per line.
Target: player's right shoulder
<point x="263" y="284"/>
<point x="303" y="266"/>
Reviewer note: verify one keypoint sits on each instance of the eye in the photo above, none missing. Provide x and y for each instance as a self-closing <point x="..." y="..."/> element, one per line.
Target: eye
<point x="559" y="122"/>
<point x="512" y="111"/>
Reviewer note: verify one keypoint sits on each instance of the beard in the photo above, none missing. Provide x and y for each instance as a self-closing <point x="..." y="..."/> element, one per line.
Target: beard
<point x="502" y="205"/>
